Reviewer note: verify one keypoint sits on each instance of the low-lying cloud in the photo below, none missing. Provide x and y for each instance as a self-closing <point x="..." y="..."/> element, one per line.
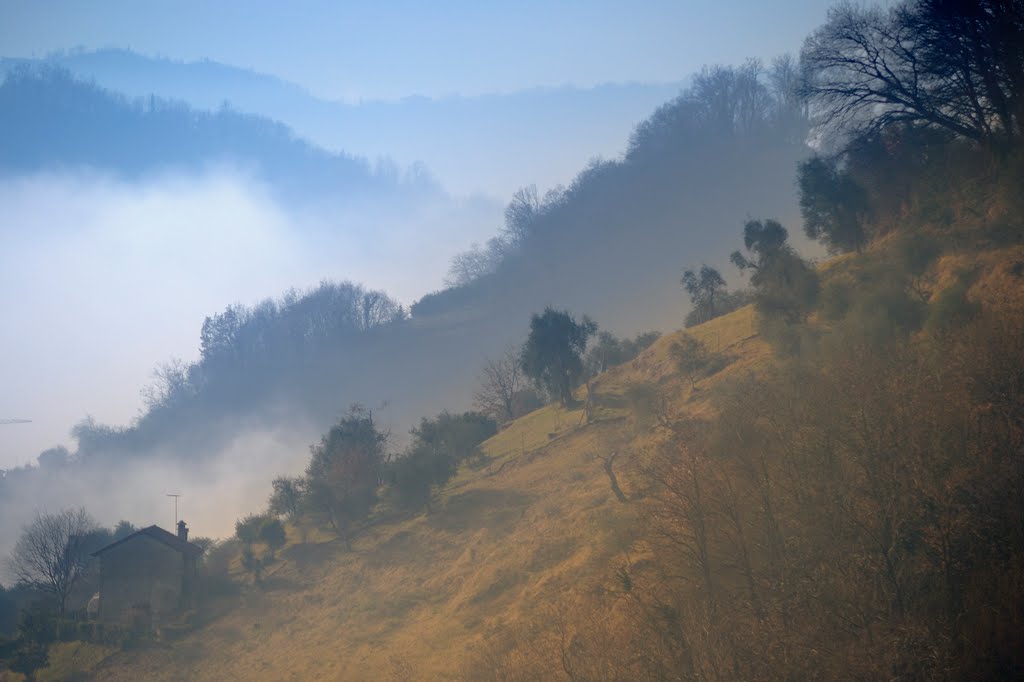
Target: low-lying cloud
<point x="105" y="279"/>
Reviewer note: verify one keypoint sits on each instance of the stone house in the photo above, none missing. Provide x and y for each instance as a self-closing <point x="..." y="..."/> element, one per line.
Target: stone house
<point x="147" y="576"/>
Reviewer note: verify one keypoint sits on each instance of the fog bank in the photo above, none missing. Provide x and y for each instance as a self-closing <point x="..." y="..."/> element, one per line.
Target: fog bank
<point x="105" y="279"/>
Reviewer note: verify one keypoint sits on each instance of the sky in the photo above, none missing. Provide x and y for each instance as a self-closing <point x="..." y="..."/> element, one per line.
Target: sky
<point x="386" y="50"/>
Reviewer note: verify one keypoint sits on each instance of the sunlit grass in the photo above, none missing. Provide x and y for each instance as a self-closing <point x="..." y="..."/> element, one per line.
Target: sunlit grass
<point x="71" y="660"/>
<point x="510" y="535"/>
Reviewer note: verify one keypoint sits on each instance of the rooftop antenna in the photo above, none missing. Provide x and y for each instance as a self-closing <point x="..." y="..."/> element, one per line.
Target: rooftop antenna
<point x="15" y="421"/>
<point x="175" y="496"/>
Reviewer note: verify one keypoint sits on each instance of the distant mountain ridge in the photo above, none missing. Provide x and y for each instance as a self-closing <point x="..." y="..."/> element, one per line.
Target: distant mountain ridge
<point x="51" y="120"/>
<point x="554" y="130"/>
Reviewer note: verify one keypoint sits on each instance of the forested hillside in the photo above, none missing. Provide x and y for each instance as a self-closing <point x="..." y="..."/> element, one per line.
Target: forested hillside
<point x="821" y="477"/>
<point x="457" y="136"/>
<point x="51" y="121"/>
<point x="612" y="244"/>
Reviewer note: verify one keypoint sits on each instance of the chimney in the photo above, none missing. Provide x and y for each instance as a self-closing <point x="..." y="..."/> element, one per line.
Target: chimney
<point x="182" y="531"/>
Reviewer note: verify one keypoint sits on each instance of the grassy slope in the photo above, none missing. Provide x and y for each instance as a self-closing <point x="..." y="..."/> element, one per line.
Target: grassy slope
<point x="417" y="595"/>
<point x="534" y="526"/>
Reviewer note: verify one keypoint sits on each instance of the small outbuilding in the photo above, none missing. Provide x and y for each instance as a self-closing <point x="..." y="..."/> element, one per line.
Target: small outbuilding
<point x="147" y="576"/>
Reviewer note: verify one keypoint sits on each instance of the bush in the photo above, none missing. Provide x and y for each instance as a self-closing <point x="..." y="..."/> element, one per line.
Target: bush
<point x="247" y="529"/>
<point x="459" y="435"/>
<point x="609" y="351"/>
<point x="272" y="534"/>
<point x="694" y="360"/>
<point x="414" y="475"/>
<point x="252" y="564"/>
<point x="286" y="500"/>
<point x="344" y="471"/>
<point x="727" y="302"/>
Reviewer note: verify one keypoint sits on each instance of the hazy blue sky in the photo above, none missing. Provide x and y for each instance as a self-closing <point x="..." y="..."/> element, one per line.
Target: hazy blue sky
<point x="393" y="49"/>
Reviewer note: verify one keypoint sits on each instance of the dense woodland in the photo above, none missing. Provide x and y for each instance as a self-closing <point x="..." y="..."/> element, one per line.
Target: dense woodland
<point x="850" y="505"/>
<point x="51" y="121"/>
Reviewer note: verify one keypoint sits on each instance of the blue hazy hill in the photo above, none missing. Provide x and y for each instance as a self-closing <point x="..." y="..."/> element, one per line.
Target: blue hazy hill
<point x="49" y="120"/>
<point x="541" y="135"/>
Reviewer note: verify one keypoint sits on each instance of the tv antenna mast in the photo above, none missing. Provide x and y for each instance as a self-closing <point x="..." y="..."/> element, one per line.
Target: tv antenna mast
<point x="175" y="496"/>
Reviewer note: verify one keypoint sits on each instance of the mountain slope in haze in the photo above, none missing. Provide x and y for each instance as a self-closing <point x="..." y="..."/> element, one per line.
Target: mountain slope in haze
<point x="49" y="120"/>
<point x="421" y="598"/>
<point x="612" y="245"/>
<point x="530" y="565"/>
<point x="541" y="136"/>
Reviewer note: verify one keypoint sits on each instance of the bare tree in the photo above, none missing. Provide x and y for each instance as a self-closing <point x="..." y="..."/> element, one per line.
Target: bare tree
<point x="170" y="384"/>
<point x="476" y="262"/>
<point x="951" y="65"/>
<point x="500" y="383"/>
<point x="521" y="213"/>
<point x="51" y="554"/>
<point x="376" y="308"/>
<point x="683" y="509"/>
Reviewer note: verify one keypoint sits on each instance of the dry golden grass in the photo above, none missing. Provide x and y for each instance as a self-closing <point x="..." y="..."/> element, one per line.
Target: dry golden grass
<point x="508" y="542"/>
<point x="417" y="597"/>
<point x="72" y="660"/>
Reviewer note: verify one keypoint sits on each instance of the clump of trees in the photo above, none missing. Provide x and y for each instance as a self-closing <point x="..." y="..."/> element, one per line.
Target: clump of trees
<point x="609" y="350"/>
<point x="900" y="96"/>
<point x="349" y="466"/>
<point x="708" y="295"/>
<point x="522" y="216"/>
<point x="241" y="349"/>
<point x="265" y="528"/>
<point x="952" y="66"/>
<point x="785" y="286"/>
<point x="438" y="446"/>
<point x="273" y="535"/>
<point x="833" y="204"/>
<point x="287" y="497"/>
<point x="344" y="471"/>
<point x="247" y="529"/>
<point x="553" y="353"/>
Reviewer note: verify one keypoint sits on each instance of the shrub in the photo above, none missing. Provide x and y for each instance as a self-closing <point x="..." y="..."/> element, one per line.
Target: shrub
<point x="247" y="529"/>
<point x="694" y="360"/>
<point x="272" y="534"/>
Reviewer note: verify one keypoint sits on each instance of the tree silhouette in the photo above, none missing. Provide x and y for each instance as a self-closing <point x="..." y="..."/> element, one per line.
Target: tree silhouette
<point x="705" y="289"/>
<point x="957" y="66"/>
<point x="500" y="382"/>
<point x="272" y="533"/>
<point x="51" y="554"/>
<point x="343" y="472"/>
<point x="552" y="355"/>
<point x="785" y="286"/>
<point x="832" y="204"/>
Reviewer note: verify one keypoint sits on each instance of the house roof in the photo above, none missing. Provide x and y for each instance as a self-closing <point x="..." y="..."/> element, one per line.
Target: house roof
<point x="160" y="535"/>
